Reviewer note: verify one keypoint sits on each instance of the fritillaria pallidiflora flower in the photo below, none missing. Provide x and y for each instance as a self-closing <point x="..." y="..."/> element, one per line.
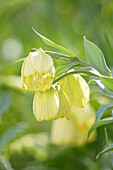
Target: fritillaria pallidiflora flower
<point x="74" y="131"/>
<point x="37" y="71"/>
<point x="51" y="104"/>
<point x="76" y="89"/>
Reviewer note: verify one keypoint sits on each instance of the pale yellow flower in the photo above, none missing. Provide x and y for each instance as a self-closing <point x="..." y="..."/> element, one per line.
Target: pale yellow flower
<point x="51" y="104"/>
<point x="74" y="131"/>
<point x="37" y="71"/>
<point x="63" y="131"/>
<point x="76" y="89"/>
<point x="84" y="119"/>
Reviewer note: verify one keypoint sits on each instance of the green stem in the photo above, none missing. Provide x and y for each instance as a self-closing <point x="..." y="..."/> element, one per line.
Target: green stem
<point x="83" y="72"/>
<point x="88" y="65"/>
<point x="57" y="54"/>
<point x="91" y="81"/>
<point x="107" y="142"/>
<point x="81" y="62"/>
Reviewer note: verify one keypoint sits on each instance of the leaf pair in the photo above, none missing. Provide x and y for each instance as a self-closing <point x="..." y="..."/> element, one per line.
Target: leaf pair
<point x="93" y="54"/>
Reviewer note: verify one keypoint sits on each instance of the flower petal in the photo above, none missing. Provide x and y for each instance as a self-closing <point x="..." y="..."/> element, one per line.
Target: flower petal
<point x="41" y="61"/>
<point x="64" y="104"/>
<point x="28" y="69"/>
<point x="76" y="89"/>
<point x="46" y="104"/>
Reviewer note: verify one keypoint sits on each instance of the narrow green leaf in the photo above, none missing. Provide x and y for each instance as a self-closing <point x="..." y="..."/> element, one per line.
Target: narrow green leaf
<point x="63" y="68"/>
<point x="91" y="71"/>
<point x="5" y="102"/>
<point x="95" y="57"/>
<point x="5" y="163"/>
<point x="102" y="122"/>
<point x="52" y="44"/>
<point x="108" y="82"/>
<point x="12" y="133"/>
<point x="103" y="87"/>
<point x="62" y="56"/>
<point x="108" y="149"/>
<point x="22" y="59"/>
<point x="101" y="111"/>
<point x="53" y="53"/>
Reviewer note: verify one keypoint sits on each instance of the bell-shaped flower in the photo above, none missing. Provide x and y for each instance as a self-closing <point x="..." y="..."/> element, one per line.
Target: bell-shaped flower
<point x="84" y="119"/>
<point x="51" y="104"/>
<point x="76" y="89"/>
<point x="63" y="131"/>
<point x="37" y="71"/>
<point x="74" y="131"/>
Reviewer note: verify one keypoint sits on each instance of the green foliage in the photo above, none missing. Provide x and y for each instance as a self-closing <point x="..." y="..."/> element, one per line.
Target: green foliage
<point x="95" y="57"/>
<point x="101" y="122"/>
<point x="52" y="44"/>
<point x="103" y="87"/>
<point x="108" y="82"/>
<point x="10" y="134"/>
<point x="107" y="143"/>
<point x="107" y="149"/>
<point x="6" y="164"/>
<point x="101" y="111"/>
<point x="64" y="68"/>
<point x="5" y="102"/>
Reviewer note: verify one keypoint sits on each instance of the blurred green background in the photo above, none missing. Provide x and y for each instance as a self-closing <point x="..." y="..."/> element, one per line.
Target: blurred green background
<point x="25" y="143"/>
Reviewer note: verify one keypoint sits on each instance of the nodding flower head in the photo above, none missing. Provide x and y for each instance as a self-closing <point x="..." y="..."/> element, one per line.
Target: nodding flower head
<point x="51" y="104"/>
<point x="76" y="89"/>
<point x="37" y="71"/>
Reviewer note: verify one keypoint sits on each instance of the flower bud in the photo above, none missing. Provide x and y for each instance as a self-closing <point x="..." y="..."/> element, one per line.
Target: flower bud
<point x="74" y="131"/>
<point x="37" y="71"/>
<point x="76" y="89"/>
<point x="51" y="104"/>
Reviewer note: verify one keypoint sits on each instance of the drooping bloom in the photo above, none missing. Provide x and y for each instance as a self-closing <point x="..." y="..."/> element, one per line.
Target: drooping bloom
<point x="37" y="71"/>
<point x="74" y="131"/>
<point x="84" y="119"/>
<point x="76" y="89"/>
<point x="51" y="104"/>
